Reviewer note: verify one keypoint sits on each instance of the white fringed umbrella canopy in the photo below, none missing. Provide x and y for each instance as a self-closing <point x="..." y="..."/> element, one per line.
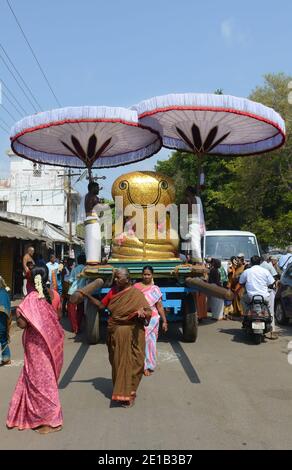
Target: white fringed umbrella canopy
<point x="213" y="124"/>
<point x="85" y="137"/>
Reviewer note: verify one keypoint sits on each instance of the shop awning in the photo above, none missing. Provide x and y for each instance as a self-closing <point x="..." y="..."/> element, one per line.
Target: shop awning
<point x="57" y="235"/>
<point x="12" y="230"/>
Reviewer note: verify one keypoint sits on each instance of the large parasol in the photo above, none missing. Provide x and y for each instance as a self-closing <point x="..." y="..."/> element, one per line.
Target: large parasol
<point x="85" y="137"/>
<point x="213" y="124"/>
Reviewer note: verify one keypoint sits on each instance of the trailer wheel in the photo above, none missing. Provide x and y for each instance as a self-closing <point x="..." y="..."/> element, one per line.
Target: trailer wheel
<point x="91" y="323"/>
<point x="190" y="319"/>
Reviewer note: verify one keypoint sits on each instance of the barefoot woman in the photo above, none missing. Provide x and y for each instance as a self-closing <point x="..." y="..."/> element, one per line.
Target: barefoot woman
<point x="35" y="402"/>
<point x="125" y="335"/>
<point x="153" y="296"/>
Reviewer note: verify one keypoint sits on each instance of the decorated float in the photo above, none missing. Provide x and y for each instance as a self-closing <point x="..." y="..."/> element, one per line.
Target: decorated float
<point x="96" y="137"/>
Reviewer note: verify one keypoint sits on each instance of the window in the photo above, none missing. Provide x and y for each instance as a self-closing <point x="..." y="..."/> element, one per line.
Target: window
<point x="223" y="247"/>
<point x="3" y="206"/>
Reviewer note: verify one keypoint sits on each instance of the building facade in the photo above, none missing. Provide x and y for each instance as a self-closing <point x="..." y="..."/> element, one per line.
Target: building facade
<point x="39" y="191"/>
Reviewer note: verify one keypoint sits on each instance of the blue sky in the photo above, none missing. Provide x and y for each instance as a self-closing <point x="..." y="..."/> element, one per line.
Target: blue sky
<point x="118" y="52"/>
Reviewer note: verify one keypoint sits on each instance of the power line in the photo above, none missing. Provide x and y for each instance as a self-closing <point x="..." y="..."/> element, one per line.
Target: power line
<point x="11" y="102"/>
<point x="39" y="65"/>
<point x="25" y="84"/>
<point x="20" y="86"/>
<point x="15" y="99"/>
<point x="4" y="122"/>
<point x="5" y="130"/>
<point x="8" y="112"/>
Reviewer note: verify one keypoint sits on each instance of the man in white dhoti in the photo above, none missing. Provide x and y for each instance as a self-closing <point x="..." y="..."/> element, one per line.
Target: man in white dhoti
<point x="196" y="224"/>
<point x="93" y="205"/>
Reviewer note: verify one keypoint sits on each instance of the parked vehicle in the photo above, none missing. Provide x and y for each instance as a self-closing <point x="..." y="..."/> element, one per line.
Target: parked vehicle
<point x="222" y="244"/>
<point x="283" y="299"/>
<point x="258" y="320"/>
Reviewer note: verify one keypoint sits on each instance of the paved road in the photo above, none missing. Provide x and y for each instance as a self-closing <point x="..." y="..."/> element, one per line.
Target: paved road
<point x="220" y="393"/>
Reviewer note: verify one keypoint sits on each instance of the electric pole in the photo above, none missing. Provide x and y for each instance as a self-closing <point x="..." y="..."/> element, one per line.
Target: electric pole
<point x="69" y="204"/>
<point x="70" y="210"/>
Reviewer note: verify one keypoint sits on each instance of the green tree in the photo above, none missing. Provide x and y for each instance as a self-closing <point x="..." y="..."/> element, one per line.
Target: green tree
<point x="253" y="192"/>
<point x="264" y="182"/>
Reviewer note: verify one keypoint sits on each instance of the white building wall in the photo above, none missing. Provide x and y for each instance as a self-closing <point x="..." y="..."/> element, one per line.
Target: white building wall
<point x="38" y="193"/>
<point x="4" y="192"/>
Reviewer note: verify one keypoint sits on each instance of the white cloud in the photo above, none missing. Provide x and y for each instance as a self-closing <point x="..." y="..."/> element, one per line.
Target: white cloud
<point x="226" y="29"/>
<point x="232" y="34"/>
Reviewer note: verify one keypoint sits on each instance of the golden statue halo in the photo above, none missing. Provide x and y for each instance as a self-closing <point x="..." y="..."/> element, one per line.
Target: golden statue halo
<point x="145" y="189"/>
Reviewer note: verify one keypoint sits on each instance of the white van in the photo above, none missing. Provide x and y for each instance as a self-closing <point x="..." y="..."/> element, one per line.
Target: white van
<point x="222" y="244"/>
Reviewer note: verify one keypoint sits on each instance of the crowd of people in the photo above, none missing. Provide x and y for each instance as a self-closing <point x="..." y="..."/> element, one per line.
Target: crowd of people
<point x="135" y="312"/>
<point x="133" y="323"/>
<point x="245" y="279"/>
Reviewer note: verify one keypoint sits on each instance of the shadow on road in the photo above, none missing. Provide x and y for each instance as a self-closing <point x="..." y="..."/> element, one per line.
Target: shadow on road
<point x="173" y="336"/>
<point x="239" y="335"/>
<point x="102" y="384"/>
<point x="185" y="362"/>
<point x="73" y="367"/>
<point x="285" y="330"/>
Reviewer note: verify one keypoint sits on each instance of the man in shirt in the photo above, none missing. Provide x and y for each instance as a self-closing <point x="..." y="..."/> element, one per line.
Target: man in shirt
<point x="285" y="259"/>
<point x="257" y="281"/>
<point x="53" y="267"/>
<point x="266" y="264"/>
<point x="274" y="261"/>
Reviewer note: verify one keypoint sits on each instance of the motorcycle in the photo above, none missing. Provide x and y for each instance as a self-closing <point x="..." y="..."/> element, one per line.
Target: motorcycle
<point x="257" y="320"/>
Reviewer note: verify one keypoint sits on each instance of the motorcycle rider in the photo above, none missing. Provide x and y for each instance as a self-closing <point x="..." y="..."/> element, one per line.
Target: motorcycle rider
<point x="257" y="281"/>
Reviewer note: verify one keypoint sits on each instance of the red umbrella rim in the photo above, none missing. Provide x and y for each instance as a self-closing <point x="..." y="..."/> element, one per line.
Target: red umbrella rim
<point x="73" y="121"/>
<point x="142" y="126"/>
<point x="216" y="109"/>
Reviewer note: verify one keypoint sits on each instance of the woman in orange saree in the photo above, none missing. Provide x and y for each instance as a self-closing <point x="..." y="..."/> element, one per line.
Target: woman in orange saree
<point x="35" y="402"/>
<point x="125" y="336"/>
<point x="235" y="270"/>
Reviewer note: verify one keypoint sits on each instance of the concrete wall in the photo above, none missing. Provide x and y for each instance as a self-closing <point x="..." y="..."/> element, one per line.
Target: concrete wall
<point x="39" y="191"/>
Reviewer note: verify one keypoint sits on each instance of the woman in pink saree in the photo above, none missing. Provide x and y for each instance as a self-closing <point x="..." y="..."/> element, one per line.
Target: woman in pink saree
<point x="153" y="296"/>
<point x="35" y="403"/>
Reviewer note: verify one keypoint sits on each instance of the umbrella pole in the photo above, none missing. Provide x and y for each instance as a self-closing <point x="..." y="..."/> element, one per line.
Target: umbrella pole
<point x="89" y="173"/>
<point x="145" y="231"/>
<point x="199" y="173"/>
<point x="200" y="158"/>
